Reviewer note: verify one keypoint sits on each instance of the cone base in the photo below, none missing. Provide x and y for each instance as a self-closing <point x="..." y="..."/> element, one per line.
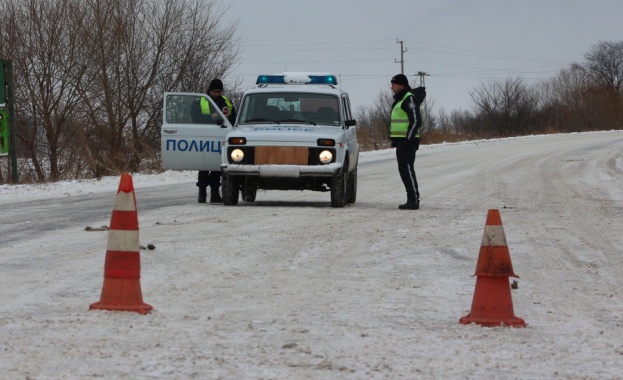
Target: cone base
<point x="141" y="309"/>
<point x="492" y="304"/>
<point x="508" y="322"/>
<point x="121" y="294"/>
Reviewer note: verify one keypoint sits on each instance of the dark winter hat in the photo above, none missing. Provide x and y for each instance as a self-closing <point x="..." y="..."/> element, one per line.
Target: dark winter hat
<point x="400" y="79"/>
<point x="215" y="85"/>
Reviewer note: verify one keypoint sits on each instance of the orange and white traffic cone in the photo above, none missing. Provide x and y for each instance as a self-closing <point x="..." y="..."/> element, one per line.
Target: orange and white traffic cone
<point x="122" y="269"/>
<point x="492" y="304"/>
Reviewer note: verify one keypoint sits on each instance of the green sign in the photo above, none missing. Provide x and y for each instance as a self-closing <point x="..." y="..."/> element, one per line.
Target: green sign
<point x="2" y="84"/>
<point x="4" y="131"/>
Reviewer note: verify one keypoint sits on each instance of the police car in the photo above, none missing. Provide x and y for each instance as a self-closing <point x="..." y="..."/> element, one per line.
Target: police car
<point x="295" y="131"/>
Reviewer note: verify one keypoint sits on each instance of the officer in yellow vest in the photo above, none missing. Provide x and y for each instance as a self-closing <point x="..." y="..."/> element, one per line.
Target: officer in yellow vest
<point x="201" y="113"/>
<point x="403" y="132"/>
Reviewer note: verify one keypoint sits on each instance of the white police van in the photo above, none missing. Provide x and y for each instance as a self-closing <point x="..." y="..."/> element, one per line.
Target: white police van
<point x="295" y="131"/>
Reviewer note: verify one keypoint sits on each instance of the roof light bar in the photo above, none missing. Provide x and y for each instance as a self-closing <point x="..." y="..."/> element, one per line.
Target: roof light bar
<point x="270" y="79"/>
<point x="298" y="78"/>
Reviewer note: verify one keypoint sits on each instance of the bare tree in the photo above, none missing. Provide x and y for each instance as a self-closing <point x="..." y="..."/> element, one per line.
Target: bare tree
<point x="89" y="76"/>
<point x="506" y="106"/>
<point x="604" y="64"/>
<point x="566" y="100"/>
<point x="138" y="49"/>
<point x="429" y="120"/>
<point x="373" y="122"/>
<point x="451" y="127"/>
<point x="42" y="43"/>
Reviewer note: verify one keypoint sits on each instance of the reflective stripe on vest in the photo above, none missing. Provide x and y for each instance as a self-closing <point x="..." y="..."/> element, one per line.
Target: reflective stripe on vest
<point x="205" y="106"/>
<point x="399" y="124"/>
<point x="230" y="106"/>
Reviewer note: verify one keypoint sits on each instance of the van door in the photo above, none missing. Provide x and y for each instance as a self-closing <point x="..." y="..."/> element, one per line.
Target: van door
<point x="192" y="133"/>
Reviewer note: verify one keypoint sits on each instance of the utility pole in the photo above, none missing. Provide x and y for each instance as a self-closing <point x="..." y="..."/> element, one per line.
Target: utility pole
<point x="402" y="60"/>
<point x="422" y="74"/>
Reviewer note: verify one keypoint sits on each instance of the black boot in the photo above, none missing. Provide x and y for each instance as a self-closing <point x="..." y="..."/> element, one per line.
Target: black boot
<point x="203" y="194"/>
<point x="215" y="197"/>
<point x="412" y="204"/>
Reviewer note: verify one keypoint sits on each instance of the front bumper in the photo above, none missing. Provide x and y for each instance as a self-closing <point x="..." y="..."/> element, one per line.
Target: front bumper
<point x="283" y="171"/>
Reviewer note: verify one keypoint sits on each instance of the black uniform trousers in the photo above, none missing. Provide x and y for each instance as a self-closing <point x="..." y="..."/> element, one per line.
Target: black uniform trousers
<point x="405" y="155"/>
<point x="209" y="178"/>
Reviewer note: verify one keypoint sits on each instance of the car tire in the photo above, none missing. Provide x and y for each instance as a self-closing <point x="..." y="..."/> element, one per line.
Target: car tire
<point x="338" y="188"/>
<point x="351" y="187"/>
<point x="230" y="191"/>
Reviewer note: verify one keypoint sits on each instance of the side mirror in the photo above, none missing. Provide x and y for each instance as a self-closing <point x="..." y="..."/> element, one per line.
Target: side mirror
<point x="350" y="123"/>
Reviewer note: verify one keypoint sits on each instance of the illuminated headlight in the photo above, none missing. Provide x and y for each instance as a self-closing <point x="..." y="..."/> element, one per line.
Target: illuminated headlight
<point x="237" y="155"/>
<point x="325" y="156"/>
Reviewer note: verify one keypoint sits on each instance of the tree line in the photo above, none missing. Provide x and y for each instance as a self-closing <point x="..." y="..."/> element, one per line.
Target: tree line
<point x="89" y="77"/>
<point x="586" y="96"/>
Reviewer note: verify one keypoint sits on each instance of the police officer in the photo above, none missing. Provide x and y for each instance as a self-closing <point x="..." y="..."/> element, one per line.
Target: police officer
<point x="202" y="114"/>
<point x="405" y="123"/>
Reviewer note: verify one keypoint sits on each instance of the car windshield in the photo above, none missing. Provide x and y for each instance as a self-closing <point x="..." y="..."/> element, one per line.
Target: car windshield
<point x="290" y="107"/>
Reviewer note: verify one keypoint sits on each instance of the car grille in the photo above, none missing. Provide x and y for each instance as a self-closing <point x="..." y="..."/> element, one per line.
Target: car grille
<point x="280" y="155"/>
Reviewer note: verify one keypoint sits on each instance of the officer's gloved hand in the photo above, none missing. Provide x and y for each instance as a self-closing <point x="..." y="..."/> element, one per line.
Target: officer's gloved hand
<point x="217" y="118"/>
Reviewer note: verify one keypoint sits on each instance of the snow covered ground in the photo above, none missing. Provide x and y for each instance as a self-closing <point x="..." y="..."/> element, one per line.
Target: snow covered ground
<point x="290" y="288"/>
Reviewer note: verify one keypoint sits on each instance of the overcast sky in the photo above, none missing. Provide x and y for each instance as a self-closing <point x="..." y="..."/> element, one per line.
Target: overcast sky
<point x="459" y="43"/>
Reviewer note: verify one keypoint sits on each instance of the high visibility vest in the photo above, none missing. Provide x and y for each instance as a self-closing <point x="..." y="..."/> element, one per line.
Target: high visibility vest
<point x="399" y="124"/>
<point x="205" y="106"/>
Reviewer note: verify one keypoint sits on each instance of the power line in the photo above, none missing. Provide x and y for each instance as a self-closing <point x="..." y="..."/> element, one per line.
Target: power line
<point x="321" y="43"/>
<point x="451" y="50"/>
<point x="481" y="54"/>
<point x="316" y="50"/>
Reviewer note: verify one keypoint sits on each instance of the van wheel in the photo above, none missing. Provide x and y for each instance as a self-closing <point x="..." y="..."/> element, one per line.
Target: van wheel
<point x="338" y="189"/>
<point x="351" y="187"/>
<point x="230" y="190"/>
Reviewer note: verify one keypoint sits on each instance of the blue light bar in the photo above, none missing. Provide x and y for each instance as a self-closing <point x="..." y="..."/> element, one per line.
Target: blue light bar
<point x="323" y="79"/>
<point x="270" y="79"/>
<point x="297" y="78"/>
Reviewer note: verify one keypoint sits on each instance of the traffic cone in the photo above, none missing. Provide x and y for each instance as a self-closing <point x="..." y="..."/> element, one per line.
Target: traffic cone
<point x="122" y="269"/>
<point x="492" y="304"/>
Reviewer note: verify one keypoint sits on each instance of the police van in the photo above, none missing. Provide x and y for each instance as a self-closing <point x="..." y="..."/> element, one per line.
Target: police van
<point x="294" y="131"/>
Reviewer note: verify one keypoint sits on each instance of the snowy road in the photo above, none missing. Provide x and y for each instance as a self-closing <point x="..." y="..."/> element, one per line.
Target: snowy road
<point x="290" y="288"/>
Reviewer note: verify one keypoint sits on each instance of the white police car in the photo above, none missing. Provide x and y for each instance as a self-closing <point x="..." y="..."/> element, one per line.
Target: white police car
<point x="295" y="131"/>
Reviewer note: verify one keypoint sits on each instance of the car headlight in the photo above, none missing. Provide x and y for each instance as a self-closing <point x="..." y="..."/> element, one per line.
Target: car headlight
<point x="325" y="156"/>
<point x="237" y="155"/>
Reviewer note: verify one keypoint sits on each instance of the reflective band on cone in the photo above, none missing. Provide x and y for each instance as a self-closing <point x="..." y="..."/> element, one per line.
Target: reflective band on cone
<point x="122" y="268"/>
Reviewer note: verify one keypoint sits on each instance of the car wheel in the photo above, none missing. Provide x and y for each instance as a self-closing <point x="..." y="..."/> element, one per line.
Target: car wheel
<point x="338" y="189"/>
<point x="230" y="190"/>
<point x="351" y="187"/>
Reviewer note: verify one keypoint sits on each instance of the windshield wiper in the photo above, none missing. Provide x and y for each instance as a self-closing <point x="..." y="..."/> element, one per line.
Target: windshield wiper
<point x="298" y="121"/>
<point x="260" y="121"/>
